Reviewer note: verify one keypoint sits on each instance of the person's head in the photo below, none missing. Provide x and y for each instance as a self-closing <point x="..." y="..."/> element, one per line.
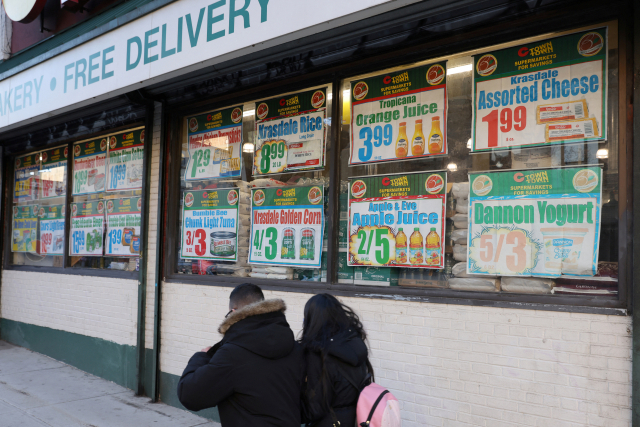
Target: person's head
<point x="243" y="295"/>
<point x="326" y="317"/>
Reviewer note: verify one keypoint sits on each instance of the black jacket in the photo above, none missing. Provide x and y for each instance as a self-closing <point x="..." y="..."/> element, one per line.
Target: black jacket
<point x="254" y="375"/>
<point x="346" y="355"/>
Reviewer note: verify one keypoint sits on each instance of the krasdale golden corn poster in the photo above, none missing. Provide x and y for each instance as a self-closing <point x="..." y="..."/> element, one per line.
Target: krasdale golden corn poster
<point x="397" y="220"/>
<point x="542" y="222"/>
<point x="542" y="93"/>
<point x="399" y="116"/>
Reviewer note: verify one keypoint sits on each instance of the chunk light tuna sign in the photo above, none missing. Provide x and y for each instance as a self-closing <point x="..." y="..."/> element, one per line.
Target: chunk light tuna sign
<point x="178" y="38"/>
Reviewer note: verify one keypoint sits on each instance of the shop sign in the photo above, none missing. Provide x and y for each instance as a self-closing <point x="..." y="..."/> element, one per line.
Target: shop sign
<point x="547" y="92"/>
<point x="23" y="11"/>
<point x="400" y="115"/>
<point x="291" y="133"/>
<point x="89" y="166"/>
<point x="126" y="157"/>
<point x="53" y="173"/>
<point x="24" y="231"/>
<point x="87" y="228"/>
<point x="173" y="40"/>
<point x="26" y="178"/>
<point x="287" y="226"/>
<point x="51" y="220"/>
<point x="123" y="227"/>
<point x="397" y="220"/>
<point x="543" y="222"/>
<point x="215" y="145"/>
<point x="210" y="224"/>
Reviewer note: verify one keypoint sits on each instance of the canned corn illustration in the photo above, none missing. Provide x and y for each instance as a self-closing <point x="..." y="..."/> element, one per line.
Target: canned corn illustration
<point x="308" y="244"/>
<point x="288" y="250"/>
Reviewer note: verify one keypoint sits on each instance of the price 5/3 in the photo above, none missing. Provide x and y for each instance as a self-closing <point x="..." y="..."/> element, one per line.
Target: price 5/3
<point x="509" y="119"/>
<point x="514" y="255"/>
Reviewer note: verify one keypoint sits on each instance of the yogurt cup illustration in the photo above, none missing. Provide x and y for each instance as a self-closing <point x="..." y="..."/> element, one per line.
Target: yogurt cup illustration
<point x="562" y="249"/>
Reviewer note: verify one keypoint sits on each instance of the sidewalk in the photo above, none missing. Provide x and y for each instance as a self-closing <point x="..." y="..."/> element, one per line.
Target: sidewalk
<point x="36" y="391"/>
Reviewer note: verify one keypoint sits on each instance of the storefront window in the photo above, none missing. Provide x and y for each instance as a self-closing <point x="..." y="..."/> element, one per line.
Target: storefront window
<point x="489" y="171"/>
<point x="106" y="207"/>
<point x="253" y="186"/>
<point x="38" y="214"/>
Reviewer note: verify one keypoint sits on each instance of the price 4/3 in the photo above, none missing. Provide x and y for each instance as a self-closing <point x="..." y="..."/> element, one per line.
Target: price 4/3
<point x="516" y="120"/>
<point x="271" y="248"/>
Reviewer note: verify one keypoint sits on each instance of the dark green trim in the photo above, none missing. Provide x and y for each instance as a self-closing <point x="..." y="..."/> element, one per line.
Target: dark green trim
<point x="168" y="395"/>
<point x="105" y="359"/>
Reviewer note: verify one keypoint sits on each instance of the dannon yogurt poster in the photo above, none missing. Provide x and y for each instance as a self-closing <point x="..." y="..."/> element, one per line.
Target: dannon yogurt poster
<point x="210" y="224"/>
<point x="290" y="133"/>
<point x="287" y="226"/>
<point x="397" y="220"/>
<point x="400" y="115"/>
<point x="543" y="222"/>
<point x="547" y="92"/>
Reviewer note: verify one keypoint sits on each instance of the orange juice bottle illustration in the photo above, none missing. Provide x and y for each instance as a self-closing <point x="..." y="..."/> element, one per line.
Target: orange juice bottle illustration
<point x="435" y="136"/>
<point x="433" y="248"/>
<point x="417" y="143"/>
<point x="402" y="144"/>
<point x="401" y="247"/>
<point x="416" y="250"/>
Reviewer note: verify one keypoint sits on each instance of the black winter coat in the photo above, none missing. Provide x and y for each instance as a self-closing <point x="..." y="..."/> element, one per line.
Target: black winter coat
<point x="346" y="354"/>
<point x="254" y="375"/>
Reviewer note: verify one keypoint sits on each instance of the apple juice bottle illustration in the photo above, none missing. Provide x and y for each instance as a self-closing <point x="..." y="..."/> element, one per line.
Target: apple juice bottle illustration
<point x="433" y="248"/>
<point x="402" y="144"/>
<point x="435" y="136"/>
<point x="401" y="247"/>
<point x="417" y="143"/>
<point x="416" y="256"/>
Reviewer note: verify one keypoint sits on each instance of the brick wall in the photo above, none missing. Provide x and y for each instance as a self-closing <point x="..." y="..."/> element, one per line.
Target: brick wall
<point x="93" y="306"/>
<point x="455" y="365"/>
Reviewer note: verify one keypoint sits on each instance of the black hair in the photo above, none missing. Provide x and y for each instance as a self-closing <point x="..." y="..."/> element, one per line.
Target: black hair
<point x="245" y="294"/>
<point x="325" y="317"/>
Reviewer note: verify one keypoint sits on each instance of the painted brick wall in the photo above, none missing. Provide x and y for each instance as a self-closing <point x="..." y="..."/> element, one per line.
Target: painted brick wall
<point x="456" y="365"/>
<point x="153" y="226"/>
<point x="92" y="306"/>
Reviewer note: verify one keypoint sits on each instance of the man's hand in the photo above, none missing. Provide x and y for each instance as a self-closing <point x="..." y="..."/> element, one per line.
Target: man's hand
<point x="204" y="350"/>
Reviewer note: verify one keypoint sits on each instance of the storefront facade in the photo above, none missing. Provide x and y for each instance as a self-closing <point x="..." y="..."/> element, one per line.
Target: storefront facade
<point x="459" y="173"/>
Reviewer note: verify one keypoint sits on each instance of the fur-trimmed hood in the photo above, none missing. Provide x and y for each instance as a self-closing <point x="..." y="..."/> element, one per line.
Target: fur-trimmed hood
<point x="262" y="307"/>
<point x="260" y="328"/>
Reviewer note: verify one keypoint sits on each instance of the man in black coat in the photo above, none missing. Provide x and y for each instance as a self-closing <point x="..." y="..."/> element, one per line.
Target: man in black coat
<point x="254" y="375"/>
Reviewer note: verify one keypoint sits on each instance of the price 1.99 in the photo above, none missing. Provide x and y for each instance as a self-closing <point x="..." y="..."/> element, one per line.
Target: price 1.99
<point x="508" y="120"/>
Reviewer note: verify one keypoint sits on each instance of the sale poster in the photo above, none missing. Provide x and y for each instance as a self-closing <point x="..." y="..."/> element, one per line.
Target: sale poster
<point x="542" y="222"/>
<point x="87" y="228"/>
<point x="51" y="220"/>
<point x="53" y="173"/>
<point x="89" y="166"/>
<point x="287" y="226"/>
<point x="400" y="115"/>
<point x="397" y="220"/>
<point x="24" y="230"/>
<point x="215" y="145"/>
<point x="210" y="225"/>
<point x="125" y="160"/>
<point x="290" y="133"/>
<point x="542" y="93"/>
<point x="123" y="227"/>
<point x="26" y="178"/>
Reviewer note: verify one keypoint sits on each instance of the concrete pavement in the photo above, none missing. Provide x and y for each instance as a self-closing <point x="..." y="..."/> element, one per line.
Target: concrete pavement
<point x="37" y="391"/>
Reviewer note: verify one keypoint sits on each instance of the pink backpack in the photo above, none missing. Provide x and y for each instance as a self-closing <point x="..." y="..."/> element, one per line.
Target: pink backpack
<point x="377" y="407"/>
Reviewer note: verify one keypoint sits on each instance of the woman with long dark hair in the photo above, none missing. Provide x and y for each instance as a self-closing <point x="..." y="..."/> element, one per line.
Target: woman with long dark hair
<point x="337" y="362"/>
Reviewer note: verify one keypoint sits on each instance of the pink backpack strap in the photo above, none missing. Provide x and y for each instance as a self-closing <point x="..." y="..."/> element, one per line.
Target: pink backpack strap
<point x="373" y="409"/>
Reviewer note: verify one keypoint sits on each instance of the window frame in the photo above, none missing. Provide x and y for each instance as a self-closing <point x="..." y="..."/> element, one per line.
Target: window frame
<point x="475" y="38"/>
<point x="9" y="167"/>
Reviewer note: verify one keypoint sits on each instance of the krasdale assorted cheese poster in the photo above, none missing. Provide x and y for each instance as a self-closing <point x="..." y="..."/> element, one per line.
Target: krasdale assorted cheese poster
<point x="542" y="93"/>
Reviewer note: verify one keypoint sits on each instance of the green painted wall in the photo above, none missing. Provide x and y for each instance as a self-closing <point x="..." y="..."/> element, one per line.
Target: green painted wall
<point x="105" y="359"/>
<point x="168" y="395"/>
